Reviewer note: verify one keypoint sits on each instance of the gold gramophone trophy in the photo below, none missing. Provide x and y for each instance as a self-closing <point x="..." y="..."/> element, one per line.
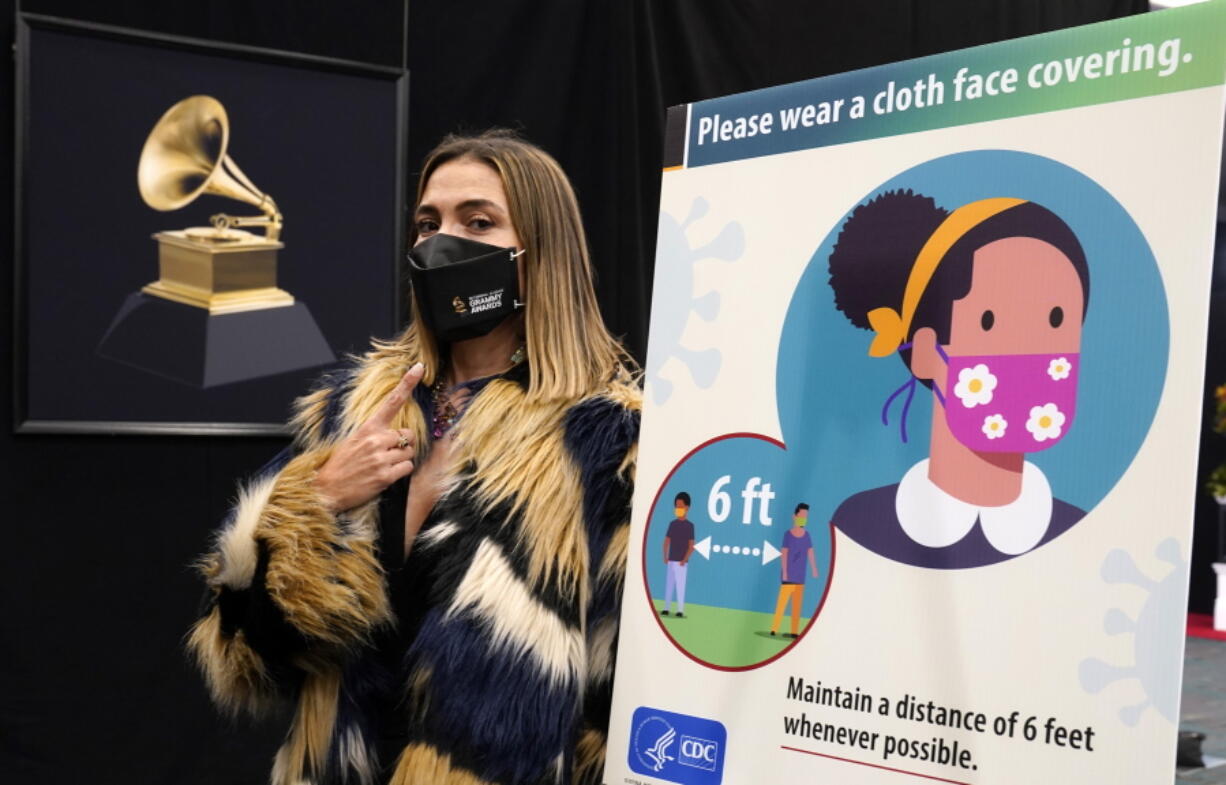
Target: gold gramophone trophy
<point x="215" y="315"/>
<point x="220" y="267"/>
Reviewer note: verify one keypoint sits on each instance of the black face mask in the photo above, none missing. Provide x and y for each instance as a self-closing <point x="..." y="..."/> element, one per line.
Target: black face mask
<point x="463" y="288"/>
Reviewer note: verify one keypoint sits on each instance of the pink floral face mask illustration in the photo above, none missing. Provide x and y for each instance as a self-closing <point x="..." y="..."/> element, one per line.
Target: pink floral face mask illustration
<point x="1015" y="403"/>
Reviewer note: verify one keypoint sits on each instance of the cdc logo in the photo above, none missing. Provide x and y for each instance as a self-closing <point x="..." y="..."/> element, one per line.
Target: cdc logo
<point x="677" y="747"/>
<point x="699" y="753"/>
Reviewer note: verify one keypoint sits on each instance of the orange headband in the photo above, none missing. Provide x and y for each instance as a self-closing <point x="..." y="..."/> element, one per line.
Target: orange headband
<point x="891" y="326"/>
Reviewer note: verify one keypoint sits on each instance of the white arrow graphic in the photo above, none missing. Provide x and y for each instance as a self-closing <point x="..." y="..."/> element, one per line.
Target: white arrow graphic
<point x="769" y="554"/>
<point x="704" y="548"/>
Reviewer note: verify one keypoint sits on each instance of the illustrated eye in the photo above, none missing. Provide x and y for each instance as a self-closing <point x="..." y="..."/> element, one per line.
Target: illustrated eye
<point x="1056" y="317"/>
<point x="987" y="320"/>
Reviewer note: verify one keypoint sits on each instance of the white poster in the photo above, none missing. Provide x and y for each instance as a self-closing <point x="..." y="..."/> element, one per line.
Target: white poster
<point x="915" y="488"/>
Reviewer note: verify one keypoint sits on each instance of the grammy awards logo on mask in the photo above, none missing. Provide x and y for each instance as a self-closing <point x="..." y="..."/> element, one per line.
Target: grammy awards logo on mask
<point x="458" y="305"/>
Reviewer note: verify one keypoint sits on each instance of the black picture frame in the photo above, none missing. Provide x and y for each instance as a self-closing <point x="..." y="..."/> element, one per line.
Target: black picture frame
<point x="257" y="407"/>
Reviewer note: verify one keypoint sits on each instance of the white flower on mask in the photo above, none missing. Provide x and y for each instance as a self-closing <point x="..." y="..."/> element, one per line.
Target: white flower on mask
<point x="975" y="386"/>
<point x="994" y="426"/>
<point x="1059" y="368"/>
<point x="1046" y="422"/>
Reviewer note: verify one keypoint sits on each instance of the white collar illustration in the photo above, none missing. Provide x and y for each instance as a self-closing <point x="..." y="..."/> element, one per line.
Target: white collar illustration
<point x="932" y="517"/>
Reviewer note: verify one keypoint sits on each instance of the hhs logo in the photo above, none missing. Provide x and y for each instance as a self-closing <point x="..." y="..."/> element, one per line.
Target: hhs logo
<point x="677" y="747"/>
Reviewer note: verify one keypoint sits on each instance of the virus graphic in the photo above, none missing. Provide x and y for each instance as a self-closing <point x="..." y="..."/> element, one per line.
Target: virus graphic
<point x="1157" y="632"/>
<point x="675" y="262"/>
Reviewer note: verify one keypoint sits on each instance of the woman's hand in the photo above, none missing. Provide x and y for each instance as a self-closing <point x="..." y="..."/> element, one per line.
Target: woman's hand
<point x="372" y="457"/>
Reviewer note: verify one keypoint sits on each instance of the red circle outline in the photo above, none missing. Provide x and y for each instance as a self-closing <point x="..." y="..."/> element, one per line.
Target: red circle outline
<point x="647" y="587"/>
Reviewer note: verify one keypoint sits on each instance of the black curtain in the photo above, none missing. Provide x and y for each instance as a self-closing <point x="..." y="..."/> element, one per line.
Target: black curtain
<point x="95" y="586"/>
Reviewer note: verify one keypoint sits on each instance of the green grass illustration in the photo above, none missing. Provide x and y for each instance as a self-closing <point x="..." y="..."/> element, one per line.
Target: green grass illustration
<point x="726" y="637"/>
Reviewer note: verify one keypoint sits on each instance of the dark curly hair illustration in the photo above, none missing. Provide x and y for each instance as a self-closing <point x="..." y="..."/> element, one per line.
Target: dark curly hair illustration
<point x="879" y="242"/>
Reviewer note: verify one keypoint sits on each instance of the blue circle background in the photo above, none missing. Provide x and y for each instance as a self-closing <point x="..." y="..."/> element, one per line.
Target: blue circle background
<point x="729" y="581"/>
<point x="830" y="392"/>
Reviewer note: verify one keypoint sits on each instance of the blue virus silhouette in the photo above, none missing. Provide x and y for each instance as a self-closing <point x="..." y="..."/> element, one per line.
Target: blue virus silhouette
<point x="675" y="261"/>
<point x="1157" y="634"/>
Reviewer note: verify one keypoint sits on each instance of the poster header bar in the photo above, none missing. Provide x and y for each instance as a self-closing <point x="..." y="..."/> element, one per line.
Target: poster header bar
<point x="1134" y="57"/>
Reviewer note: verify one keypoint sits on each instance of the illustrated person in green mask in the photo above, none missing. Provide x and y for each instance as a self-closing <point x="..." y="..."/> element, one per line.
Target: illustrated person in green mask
<point x="797" y="545"/>
<point x="678" y="545"/>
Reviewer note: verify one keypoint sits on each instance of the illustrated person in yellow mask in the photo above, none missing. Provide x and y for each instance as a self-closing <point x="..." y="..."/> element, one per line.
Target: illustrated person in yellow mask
<point x="678" y="546"/>
<point x="796" y="546"/>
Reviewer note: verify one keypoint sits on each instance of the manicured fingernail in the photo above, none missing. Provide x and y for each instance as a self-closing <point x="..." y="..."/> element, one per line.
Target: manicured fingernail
<point x="417" y="367"/>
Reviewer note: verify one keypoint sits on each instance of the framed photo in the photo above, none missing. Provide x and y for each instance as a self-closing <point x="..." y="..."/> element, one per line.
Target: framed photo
<point x="259" y="244"/>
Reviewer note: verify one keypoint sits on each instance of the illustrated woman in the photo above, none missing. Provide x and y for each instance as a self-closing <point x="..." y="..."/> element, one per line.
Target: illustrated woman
<point x="984" y="307"/>
<point x="430" y="576"/>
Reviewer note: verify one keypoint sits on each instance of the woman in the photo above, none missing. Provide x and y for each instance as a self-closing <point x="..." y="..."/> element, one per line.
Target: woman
<point x="984" y="305"/>
<point x="432" y="572"/>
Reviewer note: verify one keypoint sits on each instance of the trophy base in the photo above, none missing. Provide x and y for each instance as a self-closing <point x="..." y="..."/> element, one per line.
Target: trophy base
<point x="225" y="302"/>
<point x="190" y="345"/>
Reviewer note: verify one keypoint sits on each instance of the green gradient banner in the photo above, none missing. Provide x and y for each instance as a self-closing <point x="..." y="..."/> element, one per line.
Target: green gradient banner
<point x="1144" y="55"/>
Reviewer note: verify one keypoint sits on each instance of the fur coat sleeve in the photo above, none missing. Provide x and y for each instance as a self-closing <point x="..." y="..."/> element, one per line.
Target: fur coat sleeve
<point x="604" y="435"/>
<point x="292" y="587"/>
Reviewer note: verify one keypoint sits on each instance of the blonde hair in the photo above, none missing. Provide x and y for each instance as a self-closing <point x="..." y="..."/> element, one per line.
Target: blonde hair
<point x="570" y="351"/>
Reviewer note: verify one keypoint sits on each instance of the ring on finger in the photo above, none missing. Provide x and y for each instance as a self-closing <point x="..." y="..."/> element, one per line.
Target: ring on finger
<point x="404" y="442"/>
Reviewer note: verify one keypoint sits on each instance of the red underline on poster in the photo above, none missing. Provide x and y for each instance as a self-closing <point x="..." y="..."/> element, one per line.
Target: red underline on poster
<point x="873" y="765"/>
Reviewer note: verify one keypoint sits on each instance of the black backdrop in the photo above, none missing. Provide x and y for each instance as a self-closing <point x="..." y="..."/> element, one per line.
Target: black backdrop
<point x="95" y="591"/>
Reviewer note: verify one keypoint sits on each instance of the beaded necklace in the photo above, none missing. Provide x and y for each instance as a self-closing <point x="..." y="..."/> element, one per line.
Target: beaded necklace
<point x="445" y="411"/>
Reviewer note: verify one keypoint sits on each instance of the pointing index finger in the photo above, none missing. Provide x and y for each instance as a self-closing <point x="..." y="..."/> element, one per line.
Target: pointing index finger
<point x="396" y="399"/>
